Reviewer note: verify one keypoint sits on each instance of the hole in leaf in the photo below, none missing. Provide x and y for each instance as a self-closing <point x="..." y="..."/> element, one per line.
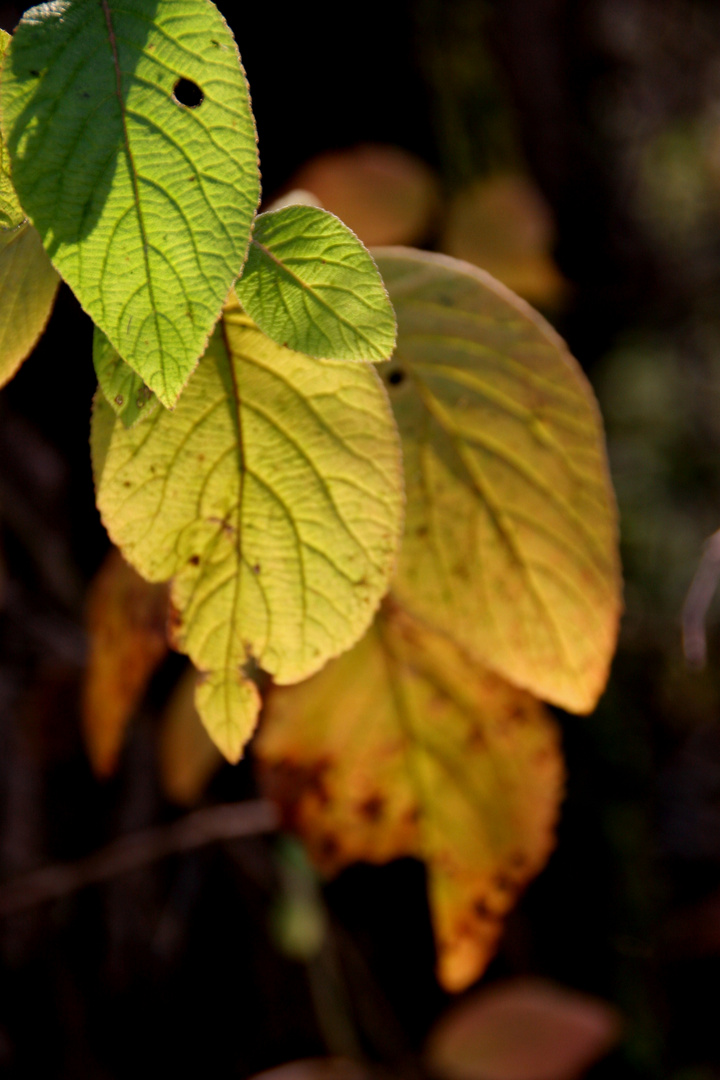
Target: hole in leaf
<point x="188" y="93"/>
<point x="396" y="377"/>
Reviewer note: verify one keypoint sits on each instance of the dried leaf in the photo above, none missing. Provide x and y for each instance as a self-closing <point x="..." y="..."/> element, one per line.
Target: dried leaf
<point x="405" y="747"/>
<point x="522" y="1029"/>
<point x="126" y="619"/>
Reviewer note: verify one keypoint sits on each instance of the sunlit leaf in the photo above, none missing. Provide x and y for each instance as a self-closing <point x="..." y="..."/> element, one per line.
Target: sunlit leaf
<point x="522" y="1029"/>
<point x="124" y="390"/>
<point x="405" y="747"/>
<point x="11" y="213"/>
<point x="143" y="203"/>
<point x="272" y="496"/>
<point x="311" y="285"/>
<point x="511" y="533"/>
<point x="187" y="757"/>
<point x="383" y="193"/>
<point x="28" y="284"/>
<point x="126" y="621"/>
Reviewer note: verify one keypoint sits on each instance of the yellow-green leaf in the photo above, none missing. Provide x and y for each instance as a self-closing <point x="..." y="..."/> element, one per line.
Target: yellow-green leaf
<point x="511" y="533"/>
<point x="28" y="284"/>
<point x="272" y="496"/>
<point x="125" y="392"/>
<point x="405" y="747"/>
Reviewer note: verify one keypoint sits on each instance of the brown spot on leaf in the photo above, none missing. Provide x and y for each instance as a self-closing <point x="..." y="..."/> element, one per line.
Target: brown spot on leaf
<point x="372" y="808"/>
<point x="194" y="560"/>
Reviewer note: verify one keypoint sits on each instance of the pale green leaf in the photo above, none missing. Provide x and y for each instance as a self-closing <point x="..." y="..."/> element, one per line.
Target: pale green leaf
<point x="28" y="284"/>
<point x="311" y="285"/>
<point x="11" y="213"/>
<point x="144" y="204"/>
<point x="511" y="532"/>
<point x="272" y="496"/>
<point x="123" y="389"/>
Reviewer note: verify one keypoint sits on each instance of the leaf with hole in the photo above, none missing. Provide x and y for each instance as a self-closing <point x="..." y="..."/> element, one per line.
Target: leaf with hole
<point x="144" y="204"/>
<point x="272" y="496"/>
<point x="311" y="285"/>
<point x="511" y="530"/>
<point x="405" y="747"/>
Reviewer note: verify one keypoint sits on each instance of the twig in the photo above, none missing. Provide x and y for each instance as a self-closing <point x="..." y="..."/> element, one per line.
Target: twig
<point x="698" y="600"/>
<point x="230" y="821"/>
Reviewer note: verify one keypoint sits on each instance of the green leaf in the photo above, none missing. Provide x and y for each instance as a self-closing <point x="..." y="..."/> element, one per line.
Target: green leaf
<point x="511" y="530"/>
<point x="272" y="496"/>
<point x="28" y="284"/>
<point x="124" y="391"/>
<point x="311" y="285"/>
<point x="11" y="213"/>
<point x="144" y="204"/>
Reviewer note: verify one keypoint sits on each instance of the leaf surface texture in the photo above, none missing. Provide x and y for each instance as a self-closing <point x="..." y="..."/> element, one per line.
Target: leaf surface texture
<point x="272" y="496"/>
<point x="144" y="204"/>
<point x="405" y="747"/>
<point x="311" y="285"/>
<point x="511" y="533"/>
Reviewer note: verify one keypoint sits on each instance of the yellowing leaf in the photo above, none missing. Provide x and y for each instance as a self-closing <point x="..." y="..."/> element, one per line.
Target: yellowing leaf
<point x="522" y="1029"/>
<point x="28" y="284"/>
<point x="405" y="747"/>
<point x="272" y="496"/>
<point x="511" y="534"/>
<point x="125" y="392"/>
<point x="126" y="620"/>
<point x="187" y="757"/>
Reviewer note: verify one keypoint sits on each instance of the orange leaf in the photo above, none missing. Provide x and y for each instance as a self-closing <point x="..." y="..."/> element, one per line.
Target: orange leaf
<point x="403" y="746"/>
<point x="126" y="618"/>
<point x="522" y="1029"/>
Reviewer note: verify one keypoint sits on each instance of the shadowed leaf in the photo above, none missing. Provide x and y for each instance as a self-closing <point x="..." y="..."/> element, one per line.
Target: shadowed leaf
<point x="272" y="496"/>
<point x="511" y="535"/>
<point x="311" y="285"/>
<point x="126" y="620"/>
<point x="28" y="284"/>
<point x="522" y="1029"/>
<point x="405" y="747"/>
<point x="143" y="203"/>
<point x="11" y="213"/>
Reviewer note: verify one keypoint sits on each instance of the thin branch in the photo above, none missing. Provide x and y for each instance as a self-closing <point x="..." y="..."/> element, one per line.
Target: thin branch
<point x="229" y="821"/>
<point x="697" y="602"/>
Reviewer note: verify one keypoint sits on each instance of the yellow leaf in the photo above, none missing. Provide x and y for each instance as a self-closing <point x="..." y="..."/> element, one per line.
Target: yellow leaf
<point x="511" y="529"/>
<point x="272" y="495"/>
<point x="28" y="283"/>
<point x="187" y="758"/>
<point x="405" y="747"/>
<point x="126" y="618"/>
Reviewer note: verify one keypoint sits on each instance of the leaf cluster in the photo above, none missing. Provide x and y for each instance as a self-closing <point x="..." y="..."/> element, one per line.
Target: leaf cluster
<point x="247" y="452"/>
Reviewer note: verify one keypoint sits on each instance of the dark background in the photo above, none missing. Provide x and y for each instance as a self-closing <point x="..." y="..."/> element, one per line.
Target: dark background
<point x="612" y="108"/>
